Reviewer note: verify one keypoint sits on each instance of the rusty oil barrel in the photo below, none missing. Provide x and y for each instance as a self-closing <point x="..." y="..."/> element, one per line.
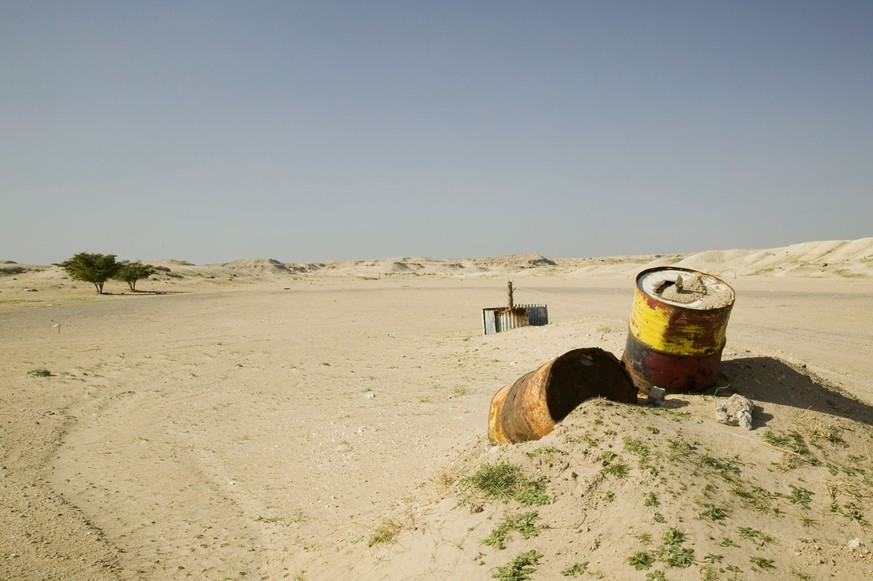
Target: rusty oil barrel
<point x="529" y="408"/>
<point x="676" y="331"/>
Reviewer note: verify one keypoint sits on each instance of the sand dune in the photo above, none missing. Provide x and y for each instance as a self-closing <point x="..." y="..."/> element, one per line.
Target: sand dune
<point x="841" y="258"/>
<point x="262" y="419"/>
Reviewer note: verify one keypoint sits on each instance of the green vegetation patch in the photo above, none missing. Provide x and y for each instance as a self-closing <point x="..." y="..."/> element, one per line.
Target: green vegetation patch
<point x="522" y="523"/>
<point x="519" y="569"/>
<point x="713" y="512"/>
<point x="575" y="570"/>
<point x="613" y="466"/>
<point x="800" y="496"/>
<point x="386" y="533"/>
<point x="641" y="560"/>
<point x="762" y="563"/>
<point x="755" y="535"/>
<point x="792" y="441"/>
<point x="674" y="553"/>
<point x="506" y="481"/>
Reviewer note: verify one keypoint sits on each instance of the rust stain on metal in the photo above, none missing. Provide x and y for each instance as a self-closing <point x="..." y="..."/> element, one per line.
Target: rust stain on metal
<point x="677" y="329"/>
<point x="529" y="408"/>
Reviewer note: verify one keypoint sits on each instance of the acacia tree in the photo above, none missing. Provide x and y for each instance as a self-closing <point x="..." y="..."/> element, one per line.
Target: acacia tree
<point x="130" y="272"/>
<point x="93" y="268"/>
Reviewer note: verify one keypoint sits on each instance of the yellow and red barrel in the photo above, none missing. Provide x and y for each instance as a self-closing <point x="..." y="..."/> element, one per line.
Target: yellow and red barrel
<point x="677" y="328"/>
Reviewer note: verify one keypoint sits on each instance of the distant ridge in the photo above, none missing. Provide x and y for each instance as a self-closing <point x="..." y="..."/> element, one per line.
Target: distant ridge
<point x="840" y="258"/>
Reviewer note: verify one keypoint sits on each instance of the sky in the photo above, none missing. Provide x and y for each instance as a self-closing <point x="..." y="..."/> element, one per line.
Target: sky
<point x="217" y="130"/>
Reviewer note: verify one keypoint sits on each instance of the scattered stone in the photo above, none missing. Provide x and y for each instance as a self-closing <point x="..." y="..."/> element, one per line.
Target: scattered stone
<point x="736" y="411"/>
<point x="855" y="544"/>
<point x="656" y="395"/>
<point x="369" y="395"/>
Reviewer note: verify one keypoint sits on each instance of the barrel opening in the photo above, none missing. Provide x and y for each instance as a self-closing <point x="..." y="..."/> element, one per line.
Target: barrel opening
<point x="579" y="376"/>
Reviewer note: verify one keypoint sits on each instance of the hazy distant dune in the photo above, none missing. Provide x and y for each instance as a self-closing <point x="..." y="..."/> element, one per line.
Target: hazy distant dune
<point x="834" y="258"/>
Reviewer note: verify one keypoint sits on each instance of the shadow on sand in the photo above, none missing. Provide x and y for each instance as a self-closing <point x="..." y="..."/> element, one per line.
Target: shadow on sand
<point x="142" y="293"/>
<point x="771" y="380"/>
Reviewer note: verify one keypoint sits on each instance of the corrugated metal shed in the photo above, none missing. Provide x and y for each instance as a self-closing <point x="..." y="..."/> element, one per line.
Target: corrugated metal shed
<point x="497" y="319"/>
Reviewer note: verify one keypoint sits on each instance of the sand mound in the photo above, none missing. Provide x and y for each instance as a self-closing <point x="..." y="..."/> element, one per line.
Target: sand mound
<point x="617" y="489"/>
<point x="836" y="258"/>
<point x="847" y="259"/>
<point x="400" y="267"/>
<point x="256" y="265"/>
<point x="512" y="261"/>
<point x="170" y="263"/>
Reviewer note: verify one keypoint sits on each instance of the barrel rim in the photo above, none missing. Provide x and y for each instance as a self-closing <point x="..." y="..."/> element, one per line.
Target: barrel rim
<point x="642" y="273"/>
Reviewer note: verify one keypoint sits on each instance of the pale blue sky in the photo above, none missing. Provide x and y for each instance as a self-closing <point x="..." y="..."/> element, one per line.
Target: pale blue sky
<point x="309" y="131"/>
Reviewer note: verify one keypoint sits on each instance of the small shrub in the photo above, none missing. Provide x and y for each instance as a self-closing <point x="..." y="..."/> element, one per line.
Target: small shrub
<point x="678" y="449"/>
<point x="852" y="511"/>
<point x="651" y="500"/>
<point x="613" y="466"/>
<point x="506" y="481"/>
<point x="762" y="563"/>
<point x="548" y="451"/>
<point x="39" y="372"/>
<point x="674" y="553"/>
<point x="680" y="557"/>
<point x="754" y="535"/>
<point x="575" y="569"/>
<point x="794" y="442"/>
<point x="617" y="469"/>
<point x="386" y="532"/>
<point x="522" y="523"/>
<point x="800" y="496"/>
<point x="755" y="497"/>
<point x="641" y="560"/>
<point x="637" y="448"/>
<point x="674" y="537"/>
<point x="724" y="468"/>
<point x="520" y="568"/>
<point x="497" y="480"/>
<point x="713" y="512"/>
<point x="533" y="493"/>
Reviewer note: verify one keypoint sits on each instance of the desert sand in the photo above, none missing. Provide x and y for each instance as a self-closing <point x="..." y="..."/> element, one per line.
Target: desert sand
<point x="264" y="420"/>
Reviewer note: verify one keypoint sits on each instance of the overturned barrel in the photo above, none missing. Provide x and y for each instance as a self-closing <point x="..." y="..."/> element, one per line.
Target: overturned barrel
<point x="676" y="331"/>
<point x="529" y="408"/>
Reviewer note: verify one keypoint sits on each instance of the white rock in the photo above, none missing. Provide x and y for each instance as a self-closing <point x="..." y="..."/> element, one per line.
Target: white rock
<point x="736" y="411"/>
<point x="855" y="544"/>
<point x="657" y="394"/>
<point x="369" y="395"/>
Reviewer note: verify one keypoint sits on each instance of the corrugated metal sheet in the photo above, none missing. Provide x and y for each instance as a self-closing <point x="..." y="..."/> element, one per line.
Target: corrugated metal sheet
<point x="489" y="321"/>
<point x="537" y="315"/>
<point x="497" y="319"/>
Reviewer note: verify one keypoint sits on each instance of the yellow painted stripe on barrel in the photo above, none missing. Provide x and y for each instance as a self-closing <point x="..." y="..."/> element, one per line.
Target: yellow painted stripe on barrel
<point x="651" y="323"/>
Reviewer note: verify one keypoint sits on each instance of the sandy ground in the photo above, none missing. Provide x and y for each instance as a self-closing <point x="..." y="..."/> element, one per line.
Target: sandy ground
<point x="320" y="425"/>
